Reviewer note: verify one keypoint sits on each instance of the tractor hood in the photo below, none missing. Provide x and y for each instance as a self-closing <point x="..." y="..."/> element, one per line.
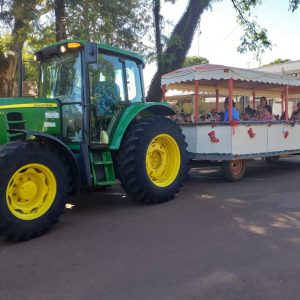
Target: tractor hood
<point x="37" y="114"/>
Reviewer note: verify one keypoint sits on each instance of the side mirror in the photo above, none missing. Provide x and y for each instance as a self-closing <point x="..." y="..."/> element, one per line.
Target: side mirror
<point x="90" y="53"/>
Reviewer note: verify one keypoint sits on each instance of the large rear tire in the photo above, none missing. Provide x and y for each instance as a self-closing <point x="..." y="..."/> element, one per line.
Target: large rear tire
<point x="152" y="161"/>
<point x="34" y="187"/>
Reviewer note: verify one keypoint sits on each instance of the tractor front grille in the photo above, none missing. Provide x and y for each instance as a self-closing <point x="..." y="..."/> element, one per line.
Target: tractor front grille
<point x="15" y="121"/>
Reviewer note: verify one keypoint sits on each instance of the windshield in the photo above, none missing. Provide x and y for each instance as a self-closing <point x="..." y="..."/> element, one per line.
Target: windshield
<point x="61" y="77"/>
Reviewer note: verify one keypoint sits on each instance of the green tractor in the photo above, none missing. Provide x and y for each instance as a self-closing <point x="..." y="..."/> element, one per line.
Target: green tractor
<point x="89" y="126"/>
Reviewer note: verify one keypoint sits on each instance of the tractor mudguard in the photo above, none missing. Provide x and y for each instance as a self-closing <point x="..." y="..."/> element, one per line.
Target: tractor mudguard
<point x="131" y="111"/>
<point x="74" y="167"/>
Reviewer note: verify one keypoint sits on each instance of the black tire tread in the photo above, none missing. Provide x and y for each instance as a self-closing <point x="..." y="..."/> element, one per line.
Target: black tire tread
<point x="128" y="170"/>
<point x="13" y="228"/>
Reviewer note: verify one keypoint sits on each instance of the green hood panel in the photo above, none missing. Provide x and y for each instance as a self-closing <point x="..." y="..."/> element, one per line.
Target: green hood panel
<point x="39" y="114"/>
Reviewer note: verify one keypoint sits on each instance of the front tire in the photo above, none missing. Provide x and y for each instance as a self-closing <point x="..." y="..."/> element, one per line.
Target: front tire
<point x="34" y="187"/>
<point x="152" y="161"/>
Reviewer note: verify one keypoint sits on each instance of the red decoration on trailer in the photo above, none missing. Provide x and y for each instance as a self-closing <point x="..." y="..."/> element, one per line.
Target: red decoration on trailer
<point x="251" y="133"/>
<point x="213" y="137"/>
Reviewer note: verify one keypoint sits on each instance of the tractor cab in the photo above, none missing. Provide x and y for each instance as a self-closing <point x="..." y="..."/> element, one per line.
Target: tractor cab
<point x="91" y="82"/>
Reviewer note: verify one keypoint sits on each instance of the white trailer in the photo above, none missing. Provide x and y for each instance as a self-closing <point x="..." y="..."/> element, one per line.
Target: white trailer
<point x="233" y="142"/>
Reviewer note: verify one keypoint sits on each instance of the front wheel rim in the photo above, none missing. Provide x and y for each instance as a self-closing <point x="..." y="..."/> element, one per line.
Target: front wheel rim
<point x="163" y="160"/>
<point x="31" y="191"/>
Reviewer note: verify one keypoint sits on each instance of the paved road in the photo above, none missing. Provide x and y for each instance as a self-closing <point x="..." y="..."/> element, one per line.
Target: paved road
<point x="217" y="240"/>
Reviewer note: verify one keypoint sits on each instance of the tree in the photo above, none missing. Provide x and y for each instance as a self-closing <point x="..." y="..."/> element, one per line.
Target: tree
<point x="255" y="38"/>
<point x="120" y="23"/>
<point x="19" y="15"/>
<point x="194" y="60"/>
<point x="157" y="29"/>
<point x="277" y="61"/>
<point x="60" y="19"/>
<point x="178" y="45"/>
<point x="36" y="23"/>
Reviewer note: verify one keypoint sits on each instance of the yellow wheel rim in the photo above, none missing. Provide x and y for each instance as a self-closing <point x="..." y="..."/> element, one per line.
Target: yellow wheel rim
<point x="163" y="160"/>
<point x="31" y="191"/>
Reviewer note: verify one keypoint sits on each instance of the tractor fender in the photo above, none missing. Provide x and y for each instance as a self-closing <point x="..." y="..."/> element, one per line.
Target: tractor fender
<point x="130" y="113"/>
<point x="74" y="167"/>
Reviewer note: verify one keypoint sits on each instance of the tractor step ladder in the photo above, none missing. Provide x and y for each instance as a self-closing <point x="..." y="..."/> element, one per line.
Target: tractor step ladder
<point x="102" y="167"/>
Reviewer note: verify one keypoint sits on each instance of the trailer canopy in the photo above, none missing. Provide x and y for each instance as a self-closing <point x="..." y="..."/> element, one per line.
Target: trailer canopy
<point x="245" y="81"/>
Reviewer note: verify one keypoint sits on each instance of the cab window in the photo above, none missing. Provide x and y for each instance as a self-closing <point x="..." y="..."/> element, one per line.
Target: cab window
<point x="133" y="78"/>
<point x="107" y="89"/>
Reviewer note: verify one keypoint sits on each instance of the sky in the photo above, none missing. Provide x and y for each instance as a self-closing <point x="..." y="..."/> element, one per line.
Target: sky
<point x="220" y="34"/>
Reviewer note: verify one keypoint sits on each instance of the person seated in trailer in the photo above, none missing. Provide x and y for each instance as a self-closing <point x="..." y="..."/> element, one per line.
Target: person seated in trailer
<point x="208" y="117"/>
<point x="235" y="113"/>
<point x="259" y="113"/>
<point x="202" y="118"/>
<point x="253" y="115"/>
<point x="282" y="117"/>
<point x="248" y="110"/>
<point x="295" y="116"/>
<point x="188" y="119"/>
<point x="217" y="117"/>
<point x="174" y="117"/>
<point x="181" y="117"/>
<point x="249" y="114"/>
<point x="263" y="103"/>
<point x="246" y="116"/>
<point x="221" y="116"/>
<point x="265" y="115"/>
<point x="296" y="113"/>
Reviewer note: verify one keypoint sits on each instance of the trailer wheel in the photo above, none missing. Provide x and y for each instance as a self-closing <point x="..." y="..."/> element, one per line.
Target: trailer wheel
<point x="152" y="161"/>
<point x="34" y="187"/>
<point x="233" y="170"/>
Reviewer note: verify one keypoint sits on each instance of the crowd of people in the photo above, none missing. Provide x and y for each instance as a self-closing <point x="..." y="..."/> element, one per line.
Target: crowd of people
<point x="262" y="113"/>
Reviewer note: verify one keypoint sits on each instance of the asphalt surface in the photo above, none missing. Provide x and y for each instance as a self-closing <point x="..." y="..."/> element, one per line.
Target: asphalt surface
<point x="216" y="240"/>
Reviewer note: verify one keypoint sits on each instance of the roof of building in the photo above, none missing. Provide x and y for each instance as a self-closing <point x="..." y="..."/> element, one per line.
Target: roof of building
<point x="291" y="67"/>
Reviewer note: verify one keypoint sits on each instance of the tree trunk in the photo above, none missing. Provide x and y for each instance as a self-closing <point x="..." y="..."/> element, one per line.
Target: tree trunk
<point x="8" y="65"/>
<point x="157" y="26"/>
<point x="60" y="20"/>
<point x="176" y="53"/>
<point x="8" y="60"/>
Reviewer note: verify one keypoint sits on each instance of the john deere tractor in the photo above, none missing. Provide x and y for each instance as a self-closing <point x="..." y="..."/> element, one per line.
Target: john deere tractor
<point x="89" y="126"/>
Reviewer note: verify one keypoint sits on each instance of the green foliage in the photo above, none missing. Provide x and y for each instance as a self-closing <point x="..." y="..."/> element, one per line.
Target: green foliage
<point x="5" y="41"/>
<point x="255" y="38"/>
<point x="120" y="23"/>
<point x="294" y="4"/>
<point x="127" y="24"/>
<point x="20" y="16"/>
<point x="195" y="60"/>
<point x="277" y="61"/>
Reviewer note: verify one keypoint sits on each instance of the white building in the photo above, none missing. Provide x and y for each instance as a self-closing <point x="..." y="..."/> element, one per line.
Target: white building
<point x="291" y="68"/>
<point x="288" y="68"/>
